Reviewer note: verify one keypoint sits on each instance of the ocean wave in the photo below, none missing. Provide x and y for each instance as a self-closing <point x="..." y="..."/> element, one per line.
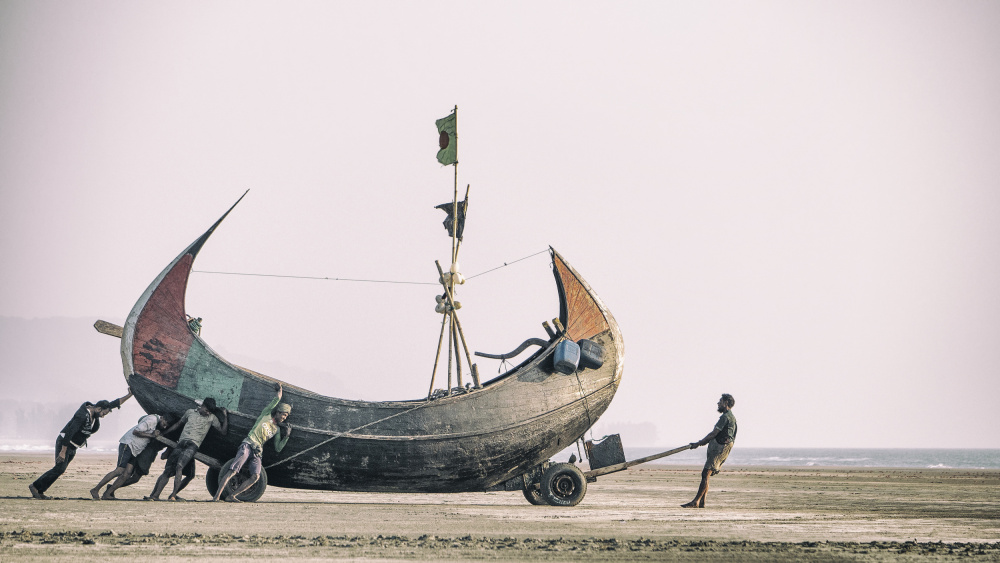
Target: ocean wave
<point x="802" y="460"/>
<point x="23" y="448"/>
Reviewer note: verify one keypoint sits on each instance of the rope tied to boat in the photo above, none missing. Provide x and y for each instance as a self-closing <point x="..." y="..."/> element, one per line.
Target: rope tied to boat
<point x="586" y="403"/>
<point x="348" y="432"/>
<point x="362" y="280"/>
<point x="583" y="397"/>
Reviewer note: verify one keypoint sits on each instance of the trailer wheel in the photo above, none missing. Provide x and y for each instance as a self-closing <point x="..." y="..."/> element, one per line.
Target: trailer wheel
<point x="563" y="484"/>
<point x="212" y="480"/>
<point x="252" y="494"/>
<point x="533" y="494"/>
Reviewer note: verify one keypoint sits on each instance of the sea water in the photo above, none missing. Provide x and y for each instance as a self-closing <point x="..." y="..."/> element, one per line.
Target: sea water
<point x="944" y="458"/>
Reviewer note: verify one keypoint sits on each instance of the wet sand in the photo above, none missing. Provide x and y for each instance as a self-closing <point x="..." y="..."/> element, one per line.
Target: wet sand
<point x="753" y="514"/>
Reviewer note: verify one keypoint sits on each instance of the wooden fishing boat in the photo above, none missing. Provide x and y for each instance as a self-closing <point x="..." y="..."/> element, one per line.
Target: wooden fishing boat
<point x="497" y="436"/>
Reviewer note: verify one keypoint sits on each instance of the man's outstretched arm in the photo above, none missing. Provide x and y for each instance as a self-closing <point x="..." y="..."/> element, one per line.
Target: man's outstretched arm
<point x="706" y="439"/>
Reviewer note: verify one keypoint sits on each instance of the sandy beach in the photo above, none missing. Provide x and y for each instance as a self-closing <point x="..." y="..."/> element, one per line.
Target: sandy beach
<point x="753" y="514"/>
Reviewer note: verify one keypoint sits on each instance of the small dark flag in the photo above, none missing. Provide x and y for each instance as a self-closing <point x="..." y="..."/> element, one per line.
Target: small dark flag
<point x="449" y="223"/>
<point x="447" y="139"/>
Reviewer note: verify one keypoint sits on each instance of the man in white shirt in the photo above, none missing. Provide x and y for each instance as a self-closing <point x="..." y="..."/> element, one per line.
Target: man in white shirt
<point x="131" y="444"/>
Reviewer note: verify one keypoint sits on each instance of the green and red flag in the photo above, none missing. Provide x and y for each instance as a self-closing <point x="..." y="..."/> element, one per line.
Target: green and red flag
<point x="448" y="139"/>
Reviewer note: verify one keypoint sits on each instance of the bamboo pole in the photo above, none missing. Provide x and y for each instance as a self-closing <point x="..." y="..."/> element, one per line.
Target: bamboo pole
<point x="454" y="204"/>
<point x="450" y="339"/>
<point x="454" y="256"/>
<point x="451" y="297"/>
<point x="430" y="390"/>
<point x="465" y="346"/>
<point x="458" y="352"/>
<point x="458" y="324"/>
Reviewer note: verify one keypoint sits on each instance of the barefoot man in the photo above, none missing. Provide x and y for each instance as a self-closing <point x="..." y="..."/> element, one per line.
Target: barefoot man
<point x="130" y="446"/>
<point x="270" y="422"/>
<point x="720" y="442"/>
<point x="196" y="423"/>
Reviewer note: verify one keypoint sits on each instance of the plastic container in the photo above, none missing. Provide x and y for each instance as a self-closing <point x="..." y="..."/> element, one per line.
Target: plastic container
<point x="591" y="354"/>
<point x="567" y="356"/>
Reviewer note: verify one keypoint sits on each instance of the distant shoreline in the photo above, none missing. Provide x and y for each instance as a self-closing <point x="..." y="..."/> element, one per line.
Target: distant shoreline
<point x="867" y="458"/>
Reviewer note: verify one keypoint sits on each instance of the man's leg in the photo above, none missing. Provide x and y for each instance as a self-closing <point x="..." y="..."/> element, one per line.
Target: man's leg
<point x="184" y="457"/>
<point x="246" y="485"/>
<point x="242" y="454"/>
<point x="222" y="483"/>
<point x="124" y="458"/>
<point x="699" y="498"/>
<point x="95" y="492"/>
<point x="161" y="482"/>
<point x="43" y="483"/>
<point x="184" y="483"/>
<point x="140" y="468"/>
<point x="124" y="476"/>
<point x="703" y="487"/>
<point x="130" y="480"/>
<point x="178" y="479"/>
<point x="254" y="467"/>
<point x="188" y="477"/>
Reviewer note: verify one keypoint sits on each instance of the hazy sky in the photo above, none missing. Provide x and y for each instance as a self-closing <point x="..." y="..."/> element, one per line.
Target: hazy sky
<point x="793" y="202"/>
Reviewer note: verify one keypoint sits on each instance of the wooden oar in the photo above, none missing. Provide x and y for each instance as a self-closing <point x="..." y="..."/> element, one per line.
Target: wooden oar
<point x="111" y="329"/>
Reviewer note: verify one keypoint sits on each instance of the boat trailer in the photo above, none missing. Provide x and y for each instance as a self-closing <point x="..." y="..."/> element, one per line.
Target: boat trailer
<point x="565" y="484"/>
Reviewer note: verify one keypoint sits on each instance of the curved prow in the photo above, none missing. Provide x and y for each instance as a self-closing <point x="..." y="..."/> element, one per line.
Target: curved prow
<point x="580" y="309"/>
<point x="164" y="336"/>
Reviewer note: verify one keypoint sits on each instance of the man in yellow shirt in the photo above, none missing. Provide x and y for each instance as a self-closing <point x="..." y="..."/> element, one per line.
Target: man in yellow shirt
<point x="269" y="424"/>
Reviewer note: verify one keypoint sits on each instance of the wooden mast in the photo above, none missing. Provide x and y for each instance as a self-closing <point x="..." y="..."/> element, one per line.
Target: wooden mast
<point x="454" y="260"/>
<point x="455" y="334"/>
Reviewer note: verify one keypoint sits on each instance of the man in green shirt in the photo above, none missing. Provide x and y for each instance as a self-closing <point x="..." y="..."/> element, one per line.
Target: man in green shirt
<point x="269" y="424"/>
<point x="720" y="442"/>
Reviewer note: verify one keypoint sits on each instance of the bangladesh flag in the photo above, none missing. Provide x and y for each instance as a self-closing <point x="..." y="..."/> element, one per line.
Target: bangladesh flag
<point x="448" y="139"/>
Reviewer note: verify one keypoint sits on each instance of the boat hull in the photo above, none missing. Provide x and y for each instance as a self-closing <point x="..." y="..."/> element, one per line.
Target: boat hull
<point x="466" y="442"/>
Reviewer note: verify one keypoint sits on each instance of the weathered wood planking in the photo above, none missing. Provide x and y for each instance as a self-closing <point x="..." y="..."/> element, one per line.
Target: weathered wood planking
<point x="467" y="442"/>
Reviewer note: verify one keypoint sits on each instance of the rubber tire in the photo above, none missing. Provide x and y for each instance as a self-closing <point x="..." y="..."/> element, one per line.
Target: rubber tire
<point x="534" y="495"/>
<point x="252" y="494"/>
<point x="212" y="480"/>
<point x="563" y="484"/>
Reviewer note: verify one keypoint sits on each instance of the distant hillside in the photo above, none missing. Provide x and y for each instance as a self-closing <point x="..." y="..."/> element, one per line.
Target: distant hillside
<point x="48" y="367"/>
<point x="58" y="360"/>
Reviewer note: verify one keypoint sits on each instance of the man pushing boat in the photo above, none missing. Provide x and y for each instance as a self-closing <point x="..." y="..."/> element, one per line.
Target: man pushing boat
<point x="130" y="447"/>
<point x="720" y="442"/>
<point x="269" y="424"/>
<point x="85" y="422"/>
<point x="197" y="423"/>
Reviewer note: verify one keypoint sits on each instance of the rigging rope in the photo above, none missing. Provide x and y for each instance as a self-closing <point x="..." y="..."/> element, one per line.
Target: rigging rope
<point x="505" y="264"/>
<point x="428" y="403"/>
<point x="347" y="433"/>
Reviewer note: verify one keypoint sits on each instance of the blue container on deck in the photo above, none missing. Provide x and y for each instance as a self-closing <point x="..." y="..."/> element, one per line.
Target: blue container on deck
<point x="591" y="354"/>
<point x="567" y="356"/>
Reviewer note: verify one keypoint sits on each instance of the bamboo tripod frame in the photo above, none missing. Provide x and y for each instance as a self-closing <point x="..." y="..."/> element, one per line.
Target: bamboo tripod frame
<point x="450" y="318"/>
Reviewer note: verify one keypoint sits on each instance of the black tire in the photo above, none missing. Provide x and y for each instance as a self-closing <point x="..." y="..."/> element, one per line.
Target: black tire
<point x="563" y="484"/>
<point x="533" y="494"/>
<point x="252" y="494"/>
<point x="212" y="480"/>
